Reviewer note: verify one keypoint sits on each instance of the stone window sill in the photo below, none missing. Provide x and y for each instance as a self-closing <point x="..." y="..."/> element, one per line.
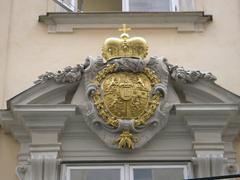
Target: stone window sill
<point x="181" y="21"/>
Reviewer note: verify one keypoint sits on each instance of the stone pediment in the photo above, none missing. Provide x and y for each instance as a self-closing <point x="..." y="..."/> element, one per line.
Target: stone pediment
<point x="56" y="116"/>
<point x="67" y="92"/>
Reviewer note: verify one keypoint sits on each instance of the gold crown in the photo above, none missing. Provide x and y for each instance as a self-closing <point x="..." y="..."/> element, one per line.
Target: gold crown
<point x="124" y="46"/>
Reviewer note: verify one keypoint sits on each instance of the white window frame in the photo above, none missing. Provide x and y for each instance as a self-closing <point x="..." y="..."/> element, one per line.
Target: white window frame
<point x="174" y="6"/>
<point x="71" y="6"/>
<point x="126" y="170"/>
<point x="184" y="167"/>
<point x="68" y="174"/>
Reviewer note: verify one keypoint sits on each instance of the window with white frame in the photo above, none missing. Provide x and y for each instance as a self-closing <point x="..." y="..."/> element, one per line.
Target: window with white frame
<point x="125" y="172"/>
<point x="150" y="5"/>
<point x="126" y="5"/>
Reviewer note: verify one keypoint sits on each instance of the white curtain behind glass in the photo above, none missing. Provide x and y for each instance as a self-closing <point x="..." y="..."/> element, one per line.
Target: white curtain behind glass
<point x="95" y="174"/>
<point x="186" y="5"/>
<point x="149" y="5"/>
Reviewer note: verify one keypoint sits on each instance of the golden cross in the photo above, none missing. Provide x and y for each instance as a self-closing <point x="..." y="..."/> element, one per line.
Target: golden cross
<point x="124" y="28"/>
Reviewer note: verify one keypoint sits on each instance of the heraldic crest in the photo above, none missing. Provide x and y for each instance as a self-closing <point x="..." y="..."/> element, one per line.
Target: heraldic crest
<point x="122" y="97"/>
<point x="125" y="92"/>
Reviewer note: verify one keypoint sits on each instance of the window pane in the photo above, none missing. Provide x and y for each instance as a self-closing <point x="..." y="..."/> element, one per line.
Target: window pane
<point x="95" y="174"/>
<point x="186" y="5"/>
<point x="142" y="174"/>
<point x="149" y="6"/>
<point x="101" y="5"/>
<point x="158" y="174"/>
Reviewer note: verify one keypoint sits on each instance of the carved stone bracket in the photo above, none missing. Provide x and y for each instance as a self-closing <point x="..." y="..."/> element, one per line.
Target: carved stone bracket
<point x="21" y="171"/>
<point x="212" y="165"/>
<point x="207" y="166"/>
<point x="44" y="161"/>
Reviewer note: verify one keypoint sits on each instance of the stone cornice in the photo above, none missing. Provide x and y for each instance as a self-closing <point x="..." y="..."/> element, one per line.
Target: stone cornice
<point x="215" y="108"/>
<point x="182" y="21"/>
<point x="33" y="108"/>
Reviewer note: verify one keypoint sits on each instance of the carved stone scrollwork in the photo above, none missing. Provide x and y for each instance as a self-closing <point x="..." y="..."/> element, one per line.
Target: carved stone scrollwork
<point x="129" y="64"/>
<point x="232" y="168"/>
<point x="21" y="171"/>
<point x="68" y="75"/>
<point x="188" y="76"/>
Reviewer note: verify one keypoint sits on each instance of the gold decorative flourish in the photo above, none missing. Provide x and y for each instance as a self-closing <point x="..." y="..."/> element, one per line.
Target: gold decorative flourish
<point x="126" y="140"/>
<point x="110" y="68"/>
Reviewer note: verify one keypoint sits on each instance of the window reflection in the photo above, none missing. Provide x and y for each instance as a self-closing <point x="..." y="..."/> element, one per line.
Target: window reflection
<point x="95" y="174"/>
<point x="149" y="6"/>
<point x="158" y="174"/>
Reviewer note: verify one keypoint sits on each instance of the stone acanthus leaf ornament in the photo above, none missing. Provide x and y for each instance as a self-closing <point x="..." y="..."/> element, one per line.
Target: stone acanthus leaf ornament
<point x="67" y="75"/>
<point x="188" y="76"/>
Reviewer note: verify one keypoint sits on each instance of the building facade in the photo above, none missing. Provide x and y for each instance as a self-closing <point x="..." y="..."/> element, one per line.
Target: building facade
<point x="43" y="129"/>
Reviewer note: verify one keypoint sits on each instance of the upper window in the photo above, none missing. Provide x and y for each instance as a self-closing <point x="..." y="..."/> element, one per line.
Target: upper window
<point x="150" y="6"/>
<point x="125" y="5"/>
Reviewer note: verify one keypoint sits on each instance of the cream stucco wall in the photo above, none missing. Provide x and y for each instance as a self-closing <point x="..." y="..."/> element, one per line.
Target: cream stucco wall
<point x="8" y="156"/>
<point x="28" y="50"/>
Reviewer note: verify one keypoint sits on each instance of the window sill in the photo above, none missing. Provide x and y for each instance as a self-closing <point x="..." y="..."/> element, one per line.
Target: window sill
<point x="182" y="21"/>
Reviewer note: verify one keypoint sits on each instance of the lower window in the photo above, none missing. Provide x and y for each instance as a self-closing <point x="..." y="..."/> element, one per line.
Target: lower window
<point x="125" y="172"/>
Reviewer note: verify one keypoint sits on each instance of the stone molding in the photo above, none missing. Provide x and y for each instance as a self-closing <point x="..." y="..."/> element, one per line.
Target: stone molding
<point x="182" y="21"/>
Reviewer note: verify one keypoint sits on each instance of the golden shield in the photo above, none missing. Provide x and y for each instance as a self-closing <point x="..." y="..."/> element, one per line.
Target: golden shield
<point x="125" y="95"/>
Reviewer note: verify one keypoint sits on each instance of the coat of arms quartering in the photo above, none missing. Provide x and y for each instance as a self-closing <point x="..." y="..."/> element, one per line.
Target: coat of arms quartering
<point x="126" y="96"/>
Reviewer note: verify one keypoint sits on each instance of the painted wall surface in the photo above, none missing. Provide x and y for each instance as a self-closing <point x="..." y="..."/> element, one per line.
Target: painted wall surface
<point x="28" y="50"/>
<point x="8" y="156"/>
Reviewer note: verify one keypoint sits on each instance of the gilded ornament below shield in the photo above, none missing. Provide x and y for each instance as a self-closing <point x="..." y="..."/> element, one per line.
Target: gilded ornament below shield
<point x="126" y="140"/>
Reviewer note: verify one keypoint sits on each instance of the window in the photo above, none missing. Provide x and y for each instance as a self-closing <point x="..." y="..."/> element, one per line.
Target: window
<point x="94" y="173"/>
<point x="125" y="172"/>
<point x="158" y="172"/>
<point x="126" y="5"/>
<point x="150" y="6"/>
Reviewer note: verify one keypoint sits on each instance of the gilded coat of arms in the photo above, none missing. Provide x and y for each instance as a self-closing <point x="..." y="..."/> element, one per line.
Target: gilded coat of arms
<point x="122" y="97"/>
<point x="125" y="93"/>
